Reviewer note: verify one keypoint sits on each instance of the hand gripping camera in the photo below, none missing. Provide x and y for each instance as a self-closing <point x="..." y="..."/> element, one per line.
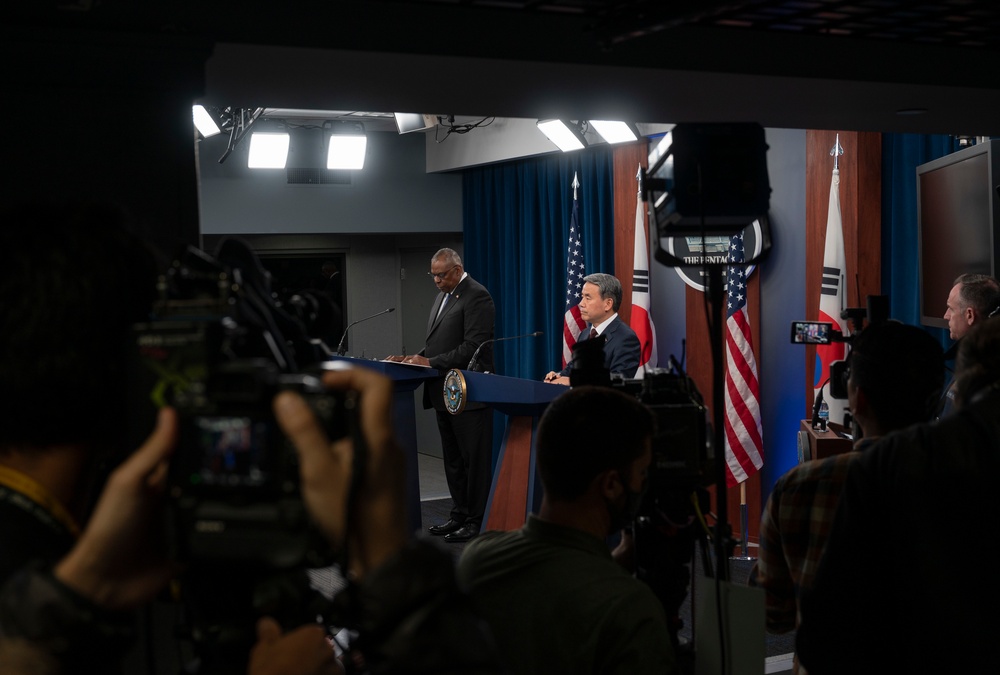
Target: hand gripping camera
<point x="218" y="348"/>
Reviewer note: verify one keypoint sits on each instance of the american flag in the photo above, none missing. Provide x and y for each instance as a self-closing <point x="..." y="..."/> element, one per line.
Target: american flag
<point x="744" y="447"/>
<point x="572" y="322"/>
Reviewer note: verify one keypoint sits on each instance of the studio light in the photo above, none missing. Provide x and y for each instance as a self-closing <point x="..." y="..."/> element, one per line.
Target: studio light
<point x="410" y="122"/>
<point x="204" y="121"/>
<point x="566" y="135"/>
<point x="268" y="150"/>
<point x="347" y="147"/>
<point x="614" y="131"/>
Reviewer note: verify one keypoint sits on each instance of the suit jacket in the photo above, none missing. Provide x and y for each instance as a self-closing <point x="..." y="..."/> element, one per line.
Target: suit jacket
<point x="622" y="350"/>
<point x="466" y="322"/>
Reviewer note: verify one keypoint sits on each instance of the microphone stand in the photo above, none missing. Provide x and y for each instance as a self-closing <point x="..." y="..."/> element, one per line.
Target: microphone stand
<point x="816" y="423"/>
<point x="475" y="355"/>
<point x="340" y="347"/>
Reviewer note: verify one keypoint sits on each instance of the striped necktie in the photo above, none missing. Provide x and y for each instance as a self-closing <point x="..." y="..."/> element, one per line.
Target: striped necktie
<point x="593" y="332"/>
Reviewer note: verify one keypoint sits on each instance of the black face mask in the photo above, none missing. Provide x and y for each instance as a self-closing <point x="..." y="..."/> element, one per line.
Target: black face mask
<point x="623" y="516"/>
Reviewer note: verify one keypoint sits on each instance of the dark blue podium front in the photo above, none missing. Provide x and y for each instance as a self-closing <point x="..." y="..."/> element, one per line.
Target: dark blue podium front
<point x="514" y="492"/>
<point x="405" y="379"/>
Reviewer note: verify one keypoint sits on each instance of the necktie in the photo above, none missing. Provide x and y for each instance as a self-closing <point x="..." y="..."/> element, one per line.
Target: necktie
<point x="444" y="301"/>
<point x="593" y="332"/>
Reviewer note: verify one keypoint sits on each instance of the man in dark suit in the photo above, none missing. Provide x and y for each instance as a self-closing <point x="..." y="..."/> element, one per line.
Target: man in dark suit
<point x="461" y="320"/>
<point x="599" y="302"/>
<point x="973" y="299"/>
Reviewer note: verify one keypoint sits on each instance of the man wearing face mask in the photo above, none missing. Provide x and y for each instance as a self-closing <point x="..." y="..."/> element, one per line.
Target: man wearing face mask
<point x="555" y="599"/>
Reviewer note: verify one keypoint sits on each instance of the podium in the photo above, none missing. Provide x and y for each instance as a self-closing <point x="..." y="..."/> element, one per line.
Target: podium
<point x="816" y="444"/>
<point x="515" y="490"/>
<point x="405" y="380"/>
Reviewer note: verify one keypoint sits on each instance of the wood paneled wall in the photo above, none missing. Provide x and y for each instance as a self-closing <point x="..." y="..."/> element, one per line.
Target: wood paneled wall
<point x="627" y="160"/>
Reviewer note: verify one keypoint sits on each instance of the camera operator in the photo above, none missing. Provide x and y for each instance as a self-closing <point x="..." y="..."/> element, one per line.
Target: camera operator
<point x="886" y="392"/>
<point x="71" y="285"/>
<point x="905" y="582"/>
<point x="72" y="282"/>
<point x="552" y="593"/>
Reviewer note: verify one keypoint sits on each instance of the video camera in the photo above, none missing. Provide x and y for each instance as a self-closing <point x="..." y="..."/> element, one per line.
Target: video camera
<point x="667" y="524"/>
<point x="682" y="456"/>
<point x="218" y="348"/>
<point x="823" y="333"/>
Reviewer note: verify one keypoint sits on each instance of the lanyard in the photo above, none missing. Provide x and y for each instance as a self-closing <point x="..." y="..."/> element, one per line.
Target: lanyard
<point x="38" y="493"/>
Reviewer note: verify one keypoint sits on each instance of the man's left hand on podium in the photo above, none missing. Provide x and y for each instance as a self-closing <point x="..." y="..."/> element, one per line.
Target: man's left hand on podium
<point x="415" y="360"/>
<point x="555" y="378"/>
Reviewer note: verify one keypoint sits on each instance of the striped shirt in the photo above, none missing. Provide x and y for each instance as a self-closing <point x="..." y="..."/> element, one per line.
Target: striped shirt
<point x="793" y="532"/>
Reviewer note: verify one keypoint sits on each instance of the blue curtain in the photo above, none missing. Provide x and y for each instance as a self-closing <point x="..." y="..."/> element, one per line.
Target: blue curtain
<point x="516" y="229"/>
<point x="901" y="154"/>
<point x="516" y="219"/>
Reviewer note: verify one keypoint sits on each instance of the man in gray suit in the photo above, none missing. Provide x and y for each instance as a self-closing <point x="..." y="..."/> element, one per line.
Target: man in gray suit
<point x="599" y="302"/>
<point x="461" y="320"/>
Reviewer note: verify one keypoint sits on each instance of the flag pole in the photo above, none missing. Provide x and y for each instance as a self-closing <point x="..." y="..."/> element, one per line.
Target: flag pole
<point x="744" y="523"/>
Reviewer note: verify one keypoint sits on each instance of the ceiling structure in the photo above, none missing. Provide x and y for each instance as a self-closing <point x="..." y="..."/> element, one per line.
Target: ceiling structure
<point x="877" y="65"/>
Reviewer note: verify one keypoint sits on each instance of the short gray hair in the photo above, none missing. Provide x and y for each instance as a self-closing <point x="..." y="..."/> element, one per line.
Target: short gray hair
<point x="449" y="255"/>
<point x="981" y="292"/>
<point x="608" y="286"/>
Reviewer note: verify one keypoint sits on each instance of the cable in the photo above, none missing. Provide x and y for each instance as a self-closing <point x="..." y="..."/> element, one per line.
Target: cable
<point x="461" y="128"/>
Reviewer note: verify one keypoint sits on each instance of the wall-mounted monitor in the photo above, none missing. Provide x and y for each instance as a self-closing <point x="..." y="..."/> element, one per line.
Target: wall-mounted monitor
<point x="409" y="122"/>
<point x="958" y="223"/>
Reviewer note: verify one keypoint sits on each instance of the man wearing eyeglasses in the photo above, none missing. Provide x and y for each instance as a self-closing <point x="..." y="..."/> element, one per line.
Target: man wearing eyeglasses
<point x="461" y="320"/>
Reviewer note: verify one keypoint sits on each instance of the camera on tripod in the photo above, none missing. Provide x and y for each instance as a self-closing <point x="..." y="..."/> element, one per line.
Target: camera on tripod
<point x="682" y="453"/>
<point x="667" y="525"/>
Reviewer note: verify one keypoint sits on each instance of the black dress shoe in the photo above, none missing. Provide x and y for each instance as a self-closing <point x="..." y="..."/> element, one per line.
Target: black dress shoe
<point x="464" y="533"/>
<point x="446" y="528"/>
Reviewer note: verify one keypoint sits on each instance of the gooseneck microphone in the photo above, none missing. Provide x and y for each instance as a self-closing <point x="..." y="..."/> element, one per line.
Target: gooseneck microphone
<point x="340" y="347"/>
<point x="475" y="355"/>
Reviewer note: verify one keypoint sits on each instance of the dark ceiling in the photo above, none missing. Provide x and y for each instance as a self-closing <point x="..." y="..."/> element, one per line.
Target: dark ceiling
<point x="958" y="23"/>
<point x="879" y="65"/>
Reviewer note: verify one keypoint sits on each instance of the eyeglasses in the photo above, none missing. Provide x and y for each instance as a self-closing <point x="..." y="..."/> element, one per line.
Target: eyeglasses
<point x="442" y="275"/>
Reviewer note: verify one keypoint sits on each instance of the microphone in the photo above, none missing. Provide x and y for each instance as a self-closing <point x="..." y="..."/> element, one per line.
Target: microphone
<point x="676" y="366"/>
<point x="340" y="347"/>
<point x="475" y="355"/>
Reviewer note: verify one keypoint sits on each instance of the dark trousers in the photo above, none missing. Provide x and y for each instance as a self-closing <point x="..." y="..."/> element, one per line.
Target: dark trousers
<point x="467" y="446"/>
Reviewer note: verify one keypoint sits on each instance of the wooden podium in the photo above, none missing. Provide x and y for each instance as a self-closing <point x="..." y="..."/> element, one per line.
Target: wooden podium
<point x="515" y="490"/>
<point x="405" y="379"/>
<point x="822" y="444"/>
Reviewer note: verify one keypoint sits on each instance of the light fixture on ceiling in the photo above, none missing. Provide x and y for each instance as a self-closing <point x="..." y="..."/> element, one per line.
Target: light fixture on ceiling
<point x="269" y="142"/>
<point x="409" y="122"/>
<point x="565" y="134"/>
<point x="205" y="122"/>
<point x="614" y="131"/>
<point x="347" y="145"/>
